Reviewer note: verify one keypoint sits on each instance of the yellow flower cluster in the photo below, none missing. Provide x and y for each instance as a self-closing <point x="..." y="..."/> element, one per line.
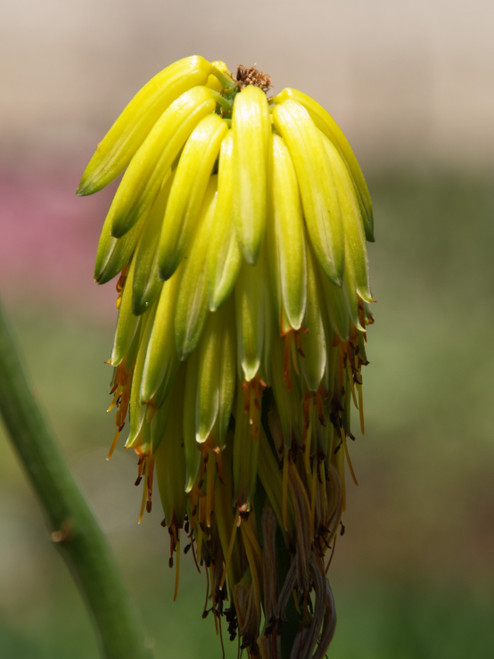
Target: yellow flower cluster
<point x="239" y="232"/>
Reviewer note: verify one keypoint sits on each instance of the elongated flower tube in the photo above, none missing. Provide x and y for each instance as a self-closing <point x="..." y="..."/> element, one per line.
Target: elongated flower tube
<point x="238" y="233"/>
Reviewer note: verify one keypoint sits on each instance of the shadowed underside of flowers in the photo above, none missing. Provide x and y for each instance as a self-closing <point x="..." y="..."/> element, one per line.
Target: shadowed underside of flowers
<point x="238" y="232"/>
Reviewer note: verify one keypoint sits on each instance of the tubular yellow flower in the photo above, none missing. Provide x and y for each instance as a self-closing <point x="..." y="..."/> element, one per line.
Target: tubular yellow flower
<point x="239" y="232"/>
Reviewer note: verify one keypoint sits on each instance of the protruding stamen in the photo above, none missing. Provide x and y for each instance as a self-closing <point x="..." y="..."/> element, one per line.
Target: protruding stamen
<point x="252" y="403"/>
<point x="286" y="360"/>
<point x="177" y="568"/>
<point x="121" y="285"/>
<point x="230" y="548"/>
<point x="121" y="396"/>
<point x="113" y="444"/>
<point x="361" y="407"/>
<point x="145" y="469"/>
<point x="307" y="431"/>
<point x="347" y="454"/>
<point x="210" y="477"/>
<point x="313" y="494"/>
<point x="284" y="500"/>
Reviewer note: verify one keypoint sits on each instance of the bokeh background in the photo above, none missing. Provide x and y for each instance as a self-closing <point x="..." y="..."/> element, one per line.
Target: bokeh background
<point x="411" y="84"/>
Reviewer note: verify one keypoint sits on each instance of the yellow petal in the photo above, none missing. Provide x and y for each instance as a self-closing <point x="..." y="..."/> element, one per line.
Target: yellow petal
<point x="139" y="432"/>
<point x="319" y="198"/>
<point x="146" y="284"/>
<point x="151" y="165"/>
<point x="289" y="234"/>
<point x="133" y="125"/>
<point x="325" y="122"/>
<point x="356" y="264"/>
<point x="313" y="338"/>
<point x="114" y="254"/>
<point x="245" y="456"/>
<point x="224" y="257"/>
<point x="216" y="375"/>
<point x="250" y="317"/>
<point x="187" y="192"/>
<point x="161" y="362"/>
<point x="191" y="448"/>
<point x="192" y="301"/>
<point x="169" y="455"/>
<point x="251" y="126"/>
<point x="127" y="324"/>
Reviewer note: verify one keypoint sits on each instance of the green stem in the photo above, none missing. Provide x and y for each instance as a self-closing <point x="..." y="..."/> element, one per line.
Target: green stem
<point x="228" y="83"/>
<point x="72" y="526"/>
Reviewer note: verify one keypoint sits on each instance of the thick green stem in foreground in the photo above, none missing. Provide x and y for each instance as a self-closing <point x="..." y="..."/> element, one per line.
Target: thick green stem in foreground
<point x="72" y="526"/>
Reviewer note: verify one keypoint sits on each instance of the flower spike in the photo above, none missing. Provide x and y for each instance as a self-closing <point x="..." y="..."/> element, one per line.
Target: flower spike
<point x="239" y="232"/>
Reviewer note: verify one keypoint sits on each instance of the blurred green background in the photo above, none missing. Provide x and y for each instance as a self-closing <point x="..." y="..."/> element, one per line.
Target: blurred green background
<point x="413" y="575"/>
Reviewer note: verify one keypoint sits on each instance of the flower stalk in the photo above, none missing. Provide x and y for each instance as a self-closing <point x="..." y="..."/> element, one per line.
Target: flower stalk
<point x="239" y="233"/>
<point x="71" y="524"/>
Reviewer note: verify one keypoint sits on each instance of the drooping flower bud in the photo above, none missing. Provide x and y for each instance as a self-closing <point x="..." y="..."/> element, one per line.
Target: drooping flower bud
<point x="238" y="232"/>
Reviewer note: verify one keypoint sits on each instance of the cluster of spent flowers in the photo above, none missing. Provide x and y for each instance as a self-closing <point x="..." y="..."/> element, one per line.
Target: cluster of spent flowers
<point x="239" y="232"/>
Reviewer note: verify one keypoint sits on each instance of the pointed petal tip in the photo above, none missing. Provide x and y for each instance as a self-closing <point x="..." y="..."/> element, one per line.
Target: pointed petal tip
<point x="250" y="369"/>
<point x="366" y="296"/>
<point x="334" y="277"/>
<point x="296" y="323"/>
<point x="183" y="354"/>
<point x="101" y="276"/>
<point x="213" y="306"/>
<point x="87" y="187"/>
<point x="250" y="253"/>
<point x="369" y="232"/>
<point x="139" y="307"/>
<point x="201" y="438"/>
<point x="165" y="272"/>
<point x="81" y="191"/>
<point x="119" y="229"/>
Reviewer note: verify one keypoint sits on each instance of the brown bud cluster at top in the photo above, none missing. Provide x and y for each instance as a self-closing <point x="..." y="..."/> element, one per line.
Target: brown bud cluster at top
<point x="249" y="75"/>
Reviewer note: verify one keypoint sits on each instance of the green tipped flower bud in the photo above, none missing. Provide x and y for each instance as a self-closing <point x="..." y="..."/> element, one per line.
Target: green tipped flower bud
<point x="239" y="232"/>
